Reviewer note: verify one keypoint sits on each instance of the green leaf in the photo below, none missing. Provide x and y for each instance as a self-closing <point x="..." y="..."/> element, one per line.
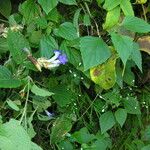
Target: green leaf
<point x="67" y="145"/>
<point x="126" y="7"/>
<point x="129" y="76"/>
<point x="10" y="140"/>
<point x="105" y="74"/>
<point x="40" y="92"/>
<point x="5" y="8"/>
<point x="86" y="20"/>
<point x="30" y="10"/>
<point x="68" y="2"/>
<point x="123" y="45"/>
<point x="62" y="95"/>
<point x="136" y="56"/>
<point x="131" y="105"/>
<point x="147" y="147"/>
<point x="76" y="20"/>
<point x="48" y="5"/>
<point x="83" y="136"/>
<point x="109" y="5"/>
<point x="136" y="24"/>
<point x="66" y="31"/>
<point x="107" y="121"/>
<point x="100" y="144"/>
<point x="73" y="55"/>
<point x="121" y="116"/>
<point x="94" y="51"/>
<point x="16" y="42"/>
<point x="112" y="18"/>
<point x="12" y="105"/>
<point x="47" y="46"/>
<point x="6" y="79"/>
<point x="61" y="126"/>
<point x="10" y="83"/>
<point x="3" y="45"/>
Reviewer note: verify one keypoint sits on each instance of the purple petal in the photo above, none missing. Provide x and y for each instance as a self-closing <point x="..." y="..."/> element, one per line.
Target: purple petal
<point x="57" y="52"/>
<point x="63" y="59"/>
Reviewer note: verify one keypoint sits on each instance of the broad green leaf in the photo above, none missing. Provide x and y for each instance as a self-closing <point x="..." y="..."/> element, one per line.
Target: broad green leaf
<point x="40" y="92"/>
<point x="47" y="46"/>
<point x="112" y="18"/>
<point x="109" y="4"/>
<point x="68" y="2"/>
<point x="126" y="7"/>
<point x="123" y="45"/>
<point x="6" y="79"/>
<point x="107" y="121"/>
<point x="61" y="126"/>
<point x="48" y="5"/>
<point x="35" y="146"/>
<point x="14" y="137"/>
<point x="132" y="105"/>
<point x="10" y="83"/>
<point x="16" y="42"/>
<point x="63" y="96"/>
<point x="136" y="24"/>
<point x="66" y="31"/>
<point x="105" y="74"/>
<point x="136" y="56"/>
<point x="121" y="116"/>
<point x="30" y="10"/>
<point x="5" y="8"/>
<point x="83" y="136"/>
<point x="12" y="105"/>
<point x="94" y="51"/>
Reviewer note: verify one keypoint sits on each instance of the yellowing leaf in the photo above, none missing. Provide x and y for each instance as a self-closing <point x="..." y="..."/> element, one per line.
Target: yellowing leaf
<point x="144" y="43"/>
<point x="105" y="74"/>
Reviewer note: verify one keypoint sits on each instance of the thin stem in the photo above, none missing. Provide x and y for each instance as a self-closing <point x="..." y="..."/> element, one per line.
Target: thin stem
<point x="3" y="20"/>
<point x="89" y="106"/>
<point x="144" y="13"/>
<point x="26" y="103"/>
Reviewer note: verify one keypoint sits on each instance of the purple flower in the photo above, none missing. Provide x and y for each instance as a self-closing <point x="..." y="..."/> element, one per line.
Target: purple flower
<point x="57" y="59"/>
<point x="63" y="59"/>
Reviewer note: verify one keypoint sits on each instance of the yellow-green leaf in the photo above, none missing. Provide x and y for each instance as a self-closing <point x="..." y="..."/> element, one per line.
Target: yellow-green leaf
<point x="105" y="74"/>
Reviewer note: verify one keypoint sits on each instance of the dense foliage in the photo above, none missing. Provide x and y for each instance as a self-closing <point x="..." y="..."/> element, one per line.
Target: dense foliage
<point x="74" y="74"/>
